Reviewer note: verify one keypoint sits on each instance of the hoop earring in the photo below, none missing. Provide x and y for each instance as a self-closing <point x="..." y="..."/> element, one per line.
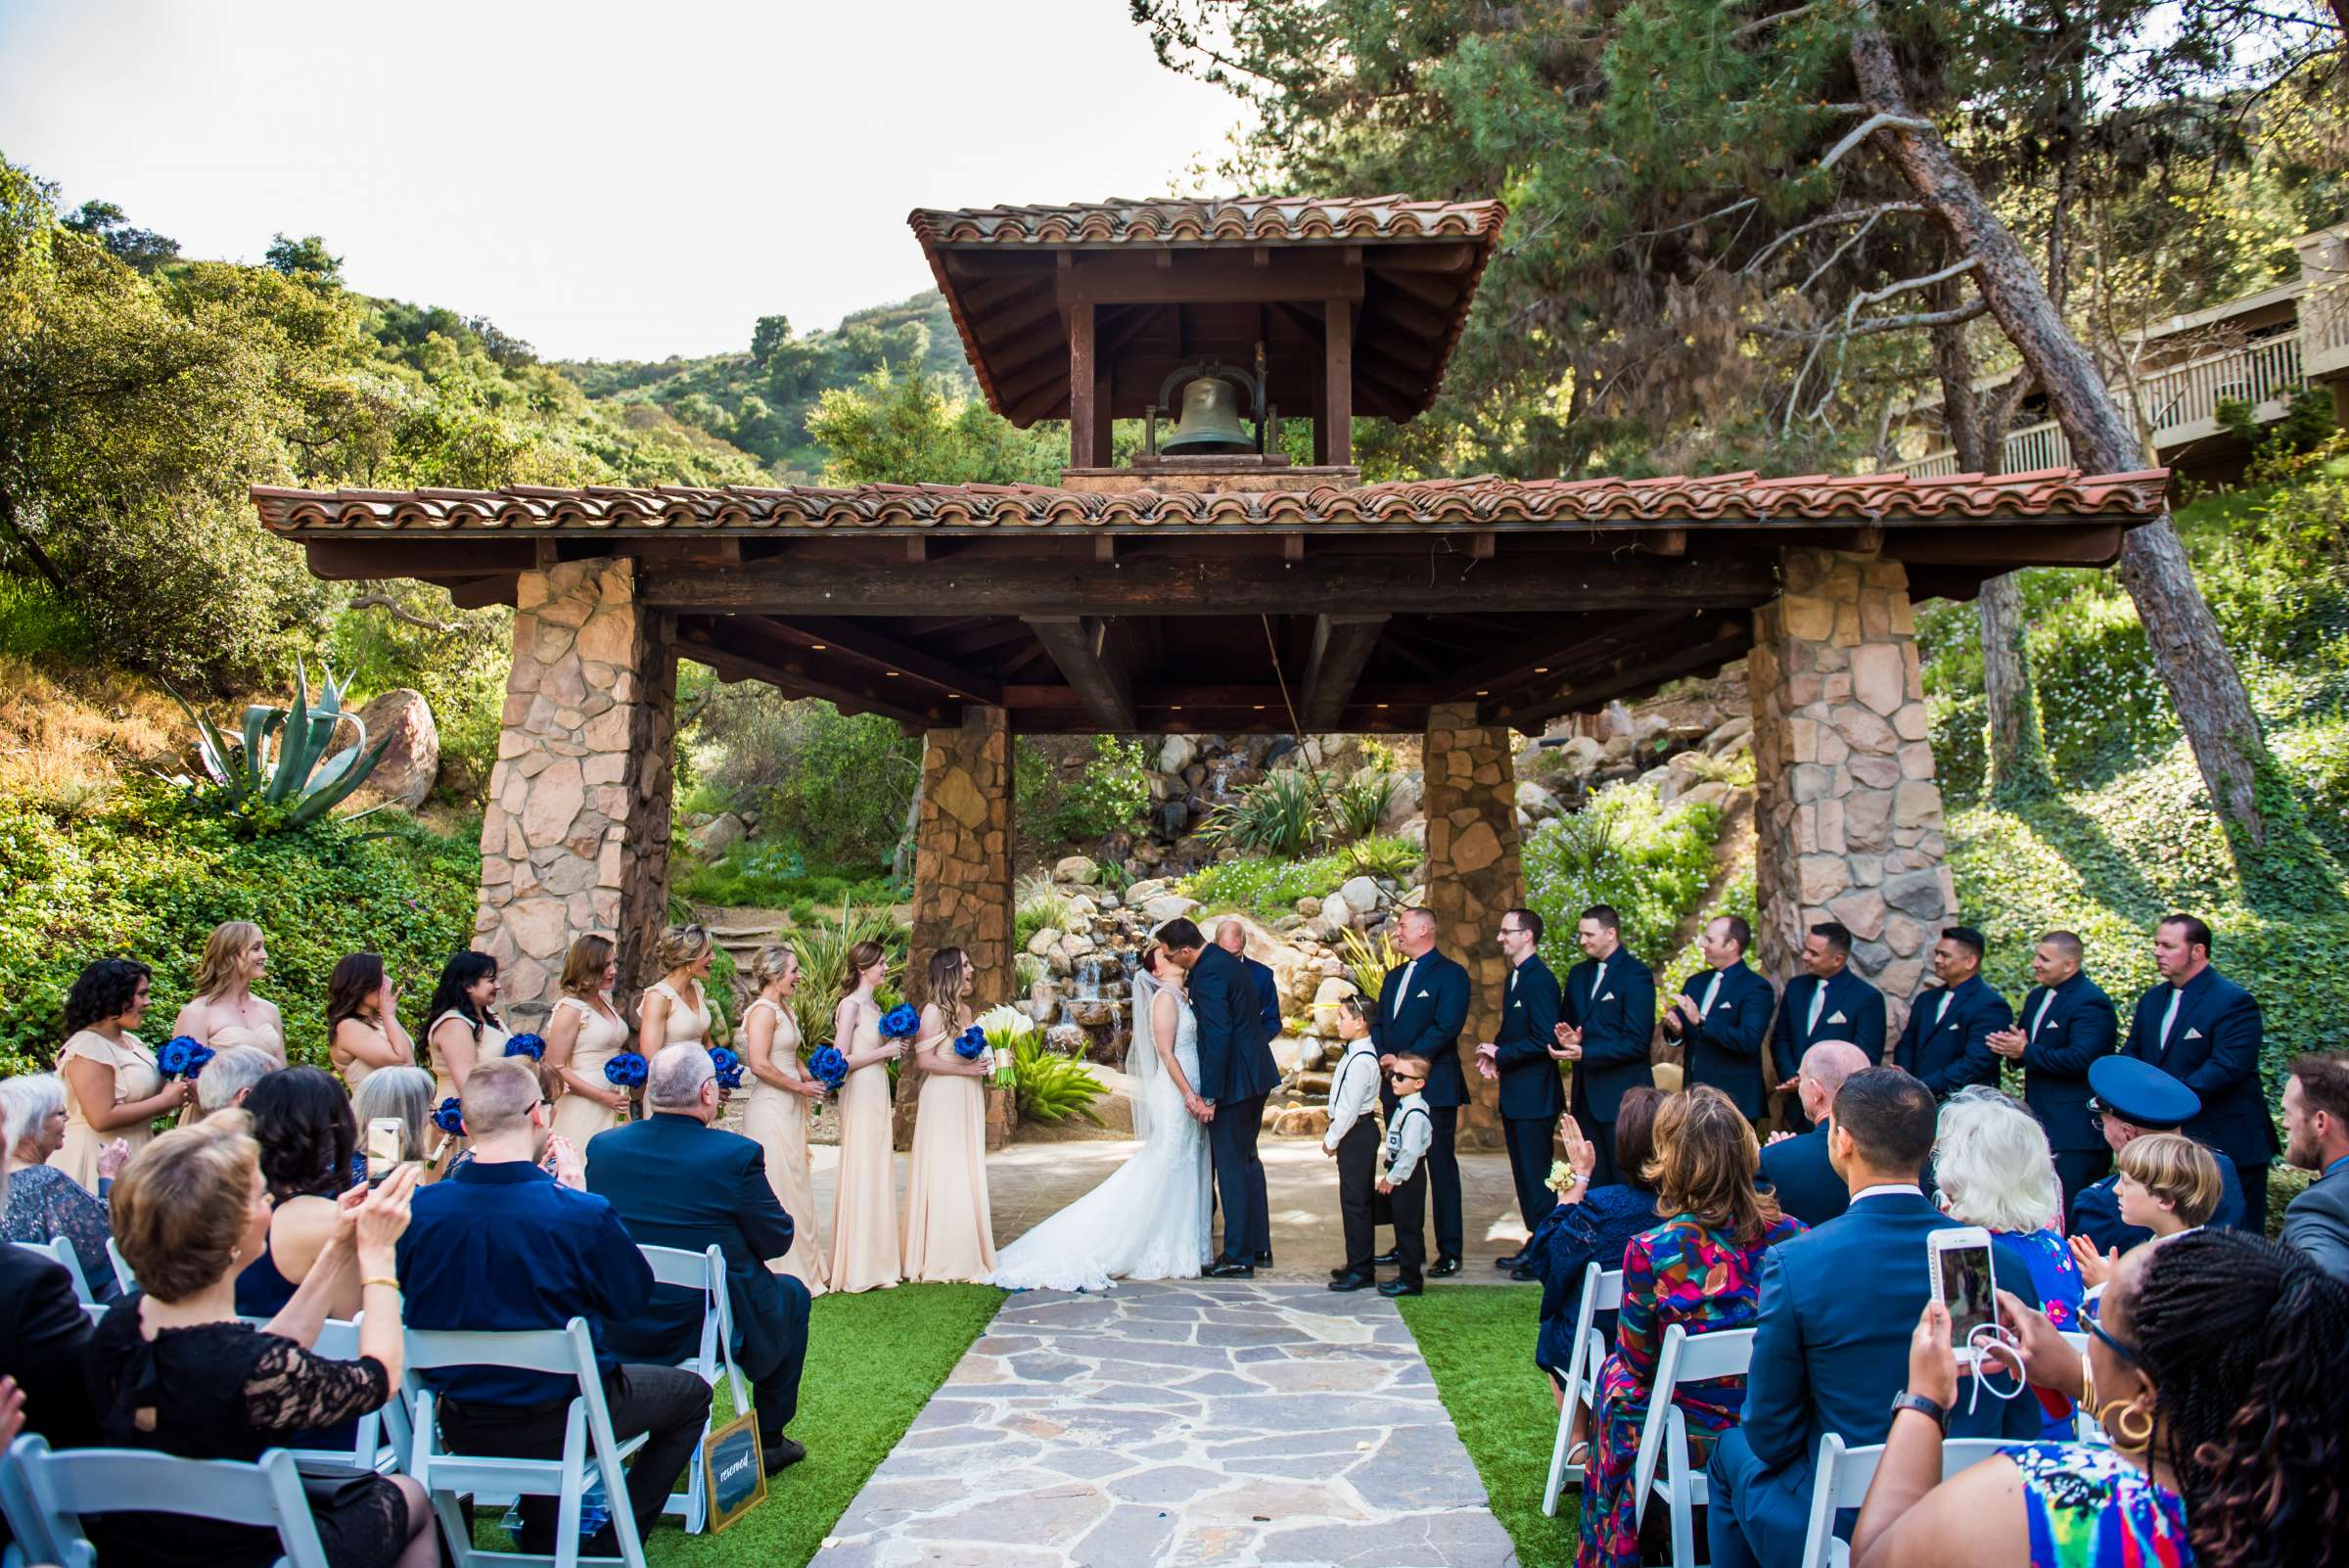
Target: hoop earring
<point x="2114" y="1419"/>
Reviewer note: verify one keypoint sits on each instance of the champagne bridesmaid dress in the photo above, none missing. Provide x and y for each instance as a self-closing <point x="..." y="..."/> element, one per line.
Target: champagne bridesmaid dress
<point x="778" y="1120"/>
<point x="681" y="1025"/>
<point x="603" y="1035"/>
<point x="950" y="1233"/>
<point x="136" y="1077"/>
<point x="489" y="1046"/>
<point x="864" y="1211"/>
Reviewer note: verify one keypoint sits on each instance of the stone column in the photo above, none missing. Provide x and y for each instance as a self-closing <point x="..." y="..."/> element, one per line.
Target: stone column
<point x="576" y="837"/>
<point x="962" y="879"/>
<point x="1847" y="816"/>
<point x="1473" y="875"/>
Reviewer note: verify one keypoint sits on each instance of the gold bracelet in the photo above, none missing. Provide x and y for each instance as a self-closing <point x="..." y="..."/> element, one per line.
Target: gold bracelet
<point x="389" y="1284"/>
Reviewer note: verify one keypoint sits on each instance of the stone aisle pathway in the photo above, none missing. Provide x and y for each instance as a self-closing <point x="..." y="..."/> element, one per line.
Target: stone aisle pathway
<point x="1244" y="1424"/>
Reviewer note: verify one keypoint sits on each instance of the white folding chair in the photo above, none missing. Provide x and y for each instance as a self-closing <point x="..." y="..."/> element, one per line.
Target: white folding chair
<point x="704" y="1272"/>
<point x="1685" y="1357"/>
<point x="567" y="1351"/>
<point x="1842" y="1479"/>
<point x="374" y="1448"/>
<point x="122" y="1275"/>
<point x="25" y="1521"/>
<point x="59" y="1250"/>
<point x="1602" y="1292"/>
<point x="98" y="1481"/>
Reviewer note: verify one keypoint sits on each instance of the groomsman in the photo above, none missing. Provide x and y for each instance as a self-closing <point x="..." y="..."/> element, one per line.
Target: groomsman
<point x="2068" y="1022"/>
<point x="1946" y="1042"/>
<point x="1232" y="938"/>
<point x="2205" y="1030"/>
<point x="1422" y="1007"/>
<point x="1722" y="1015"/>
<point x="1532" y="1099"/>
<point x="1610" y="1014"/>
<point x="1825" y="1002"/>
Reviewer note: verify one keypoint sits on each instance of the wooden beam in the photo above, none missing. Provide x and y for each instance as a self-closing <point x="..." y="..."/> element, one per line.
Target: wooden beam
<point x="1337" y="378"/>
<point x="1083" y="433"/>
<point x="1149" y="699"/>
<point x="1428" y="291"/>
<point x="1569" y="640"/>
<point x="980" y="298"/>
<point x="1079" y="646"/>
<point x="1207" y="277"/>
<point x="1730" y="639"/>
<point x="1423" y="259"/>
<point x="338" y="560"/>
<point x="861" y="642"/>
<point x="748" y="658"/>
<point x="1342" y="648"/>
<point x="481" y="592"/>
<point x="2003" y="549"/>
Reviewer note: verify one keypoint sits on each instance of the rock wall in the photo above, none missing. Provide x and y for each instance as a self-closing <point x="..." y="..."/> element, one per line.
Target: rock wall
<point x="1473" y="874"/>
<point x="962" y="880"/>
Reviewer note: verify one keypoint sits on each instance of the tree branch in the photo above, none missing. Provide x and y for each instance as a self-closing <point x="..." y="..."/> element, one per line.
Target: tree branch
<point x="1829" y="220"/>
<point x="1873" y="324"/>
<point x="380" y="600"/>
<point x="1879" y="120"/>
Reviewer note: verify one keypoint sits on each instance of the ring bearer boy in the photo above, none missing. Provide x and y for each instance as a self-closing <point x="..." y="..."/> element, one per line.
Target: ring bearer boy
<point x="1353" y="1141"/>
<point x="1404" y="1185"/>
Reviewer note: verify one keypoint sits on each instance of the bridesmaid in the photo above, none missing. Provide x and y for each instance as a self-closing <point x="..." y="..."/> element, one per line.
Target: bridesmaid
<point x="225" y="1012"/>
<point x="113" y="1087"/>
<point x="583" y="1033"/>
<point x="864" y="1210"/>
<point x="777" y="1113"/>
<point x="465" y="1028"/>
<point x="950" y="1233"/>
<point x="364" y="1031"/>
<point x="666" y="1017"/>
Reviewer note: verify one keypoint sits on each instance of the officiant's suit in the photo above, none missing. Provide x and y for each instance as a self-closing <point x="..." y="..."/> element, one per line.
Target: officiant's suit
<point x="1237" y="1072"/>
<point x="1613" y="1002"/>
<point x="1422" y="1007"/>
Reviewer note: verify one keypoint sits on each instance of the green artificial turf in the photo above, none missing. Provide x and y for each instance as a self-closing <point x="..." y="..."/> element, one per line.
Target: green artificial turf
<point x="1479" y="1345"/>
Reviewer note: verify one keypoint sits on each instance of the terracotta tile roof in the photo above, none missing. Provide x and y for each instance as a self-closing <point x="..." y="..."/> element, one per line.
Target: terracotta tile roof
<point x="1237" y="219"/>
<point x="1725" y="499"/>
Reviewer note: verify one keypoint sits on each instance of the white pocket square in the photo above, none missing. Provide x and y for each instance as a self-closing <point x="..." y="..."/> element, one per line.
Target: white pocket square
<point x="1838" y="1018"/>
<point x="1423" y="994"/>
<point x="1519" y="1002"/>
<point x="1609" y="997"/>
<point x="2194" y="1034"/>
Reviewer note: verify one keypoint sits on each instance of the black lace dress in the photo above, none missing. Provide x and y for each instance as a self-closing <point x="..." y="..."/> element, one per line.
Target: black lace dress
<point x="227" y="1390"/>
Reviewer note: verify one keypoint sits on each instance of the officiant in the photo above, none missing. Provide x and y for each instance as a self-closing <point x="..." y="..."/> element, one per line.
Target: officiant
<point x="1422" y="1007"/>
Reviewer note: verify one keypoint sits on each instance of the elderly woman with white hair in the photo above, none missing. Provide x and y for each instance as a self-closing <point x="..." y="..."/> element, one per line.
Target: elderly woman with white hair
<point x="230" y="1075"/>
<point x="1993" y="1168"/>
<point x="43" y="1202"/>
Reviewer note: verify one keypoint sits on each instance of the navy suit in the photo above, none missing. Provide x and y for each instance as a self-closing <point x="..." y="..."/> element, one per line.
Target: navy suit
<point x="1268" y="996"/>
<point x="2078" y="1027"/>
<point x="1617" y="1014"/>
<point x="2212" y="1048"/>
<point x="1852" y="1010"/>
<point x="1946" y="1042"/>
<point x="1425" y="1020"/>
<point x="1724" y="1049"/>
<point x="676" y="1184"/>
<point x="1799" y="1172"/>
<point x="1237" y="1072"/>
<point x="1532" y="1097"/>
<point x="1830" y="1350"/>
<point x="45" y="1345"/>
<point x="2096" y="1213"/>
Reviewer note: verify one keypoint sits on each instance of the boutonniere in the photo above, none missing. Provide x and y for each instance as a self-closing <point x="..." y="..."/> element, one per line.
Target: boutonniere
<point x="1517" y="1002"/>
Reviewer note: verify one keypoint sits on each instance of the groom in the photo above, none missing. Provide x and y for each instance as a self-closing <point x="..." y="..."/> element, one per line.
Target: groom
<point x="1235" y="1073"/>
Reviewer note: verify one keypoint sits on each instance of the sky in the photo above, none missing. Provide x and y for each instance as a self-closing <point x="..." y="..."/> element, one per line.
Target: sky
<point x="604" y="180"/>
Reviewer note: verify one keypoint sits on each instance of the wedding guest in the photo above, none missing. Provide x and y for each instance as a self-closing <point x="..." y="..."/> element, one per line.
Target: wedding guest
<point x="2205" y="1031"/>
<point x="2067" y="1025"/>
<point x="949" y="1230"/>
<point x="229" y="1076"/>
<point x="464" y="1029"/>
<point x="1422" y="1007"/>
<point x="1352" y="1140"/>
<point x="777" y="1113"/>
<point x="172" y="1369"/>
<point x="676" y="1180"/>
<point x="1946" y="1040"/>
<point x="1796" y="1165"/>
<point x="1610" y="1002"/>
<point x="224" y="1011"/>
<point x="498" y="1246"/>
<point x="2166" y="1184"/>
<point x="1532" y="1097"/>
<point x="43" y="1202"/>
<point x="1722" y="1017"/>
<point x="44" y="1344"/>
<point x="2135" y="1099"/>
<point x="583" y="1032"/>
<point x="1404" y="1183"/>
<point x="114" y="1089"/>
<point x="2315" y="1128"/>
<point x="1699" y="1268"/>
<point x="675" y="1010"/>
<point x="1231" y="935"/>
<point x="364" y="1031"/>
<point x="865" y="1248"/>
<point x="1592" y="1225"/>
<point x="1825" y="1002"/>
<point x="402" y="1093"/>
<point x="301" y="1120"/>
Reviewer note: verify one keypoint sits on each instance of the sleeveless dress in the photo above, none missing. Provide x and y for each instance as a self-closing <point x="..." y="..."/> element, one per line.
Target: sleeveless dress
<point x="682" y="1025"/>
<point x="2087" y="1506"/>
<point x="136" y="1077"/>
<point x="355" y="1072"/>
<point x="602" y="1036"/>
<point x="778" y="1120"/>
<point x="227" y="1037"/>
<point x="949" y="1234"/>
<point x="864" y="1209"/>
<point x="489" y="1043"/>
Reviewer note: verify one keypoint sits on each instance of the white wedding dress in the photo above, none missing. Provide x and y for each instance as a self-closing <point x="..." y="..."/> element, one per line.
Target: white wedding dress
<point x="1153" y="1218"/>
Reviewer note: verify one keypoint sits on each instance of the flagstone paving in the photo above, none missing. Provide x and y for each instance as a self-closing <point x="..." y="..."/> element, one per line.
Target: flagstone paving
<point x="1254" y="1425"/>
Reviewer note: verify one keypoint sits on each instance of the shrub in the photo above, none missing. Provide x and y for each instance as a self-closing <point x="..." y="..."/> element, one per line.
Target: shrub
<point x="1050" y="1086"/>
<point x="1395" y="858"/>
<point x="1265" y="888"/>
<point x="1367" y="962"/>
<point x="1038" y="905"/>
<point x="836" y="784"/>
<point x="1274" y="817"/>
<point x="773" y="874"/>
<point x="1651" y="862"/>
<point x="824" y="950"/>
<point x="1110" y="792"/>
<point x="1356" y="806"/>
<point x="282" y="771"/>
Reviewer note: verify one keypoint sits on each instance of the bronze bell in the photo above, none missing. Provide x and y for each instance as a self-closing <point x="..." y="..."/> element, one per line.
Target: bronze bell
<point x="1210" y="421"/>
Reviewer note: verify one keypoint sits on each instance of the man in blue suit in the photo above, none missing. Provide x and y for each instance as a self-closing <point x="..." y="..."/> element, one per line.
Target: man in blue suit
<point x="1232" y="937"/>
<point x="2205" y="1030"/>
<point x="2132" y="1099"/>
<point x="1610" y="1016"/>
<point x="1946" y="1042"/>
<point x="2068" y="1022"/>
<point x="1235" y="1073"/>
<point x="1795" y="1166"/>
<point x="675" y="1180"/>
<point x="1837" y="1309"/>
<point x="1722" y="1015"/>
<point x="1825" y="1002"/>
<point x="1532" y="1099"/>
<point x="1422" y="1007"/>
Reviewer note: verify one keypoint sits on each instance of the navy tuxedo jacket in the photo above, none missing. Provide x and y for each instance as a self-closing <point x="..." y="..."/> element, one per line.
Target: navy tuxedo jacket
<point x="1235" y="1051"/>
<point x="1267" y="998"/>
<point x="2080" y="1026"/>
<point x="1955" y="1052"/>
<point x="1428" y="1024"/>
<point x="2212" y="1048"/>
<point x="1854" y="1010"/>
<point x="1803" y="1179"/>
<point x="45" y="1345"/>
<point x="1725" y="1048"/>
<point x="1530" y="1086"/>
<point x="1615" y="1024"/>
<point x="676" y="1184"/>
<point x="2097" y="1212"/>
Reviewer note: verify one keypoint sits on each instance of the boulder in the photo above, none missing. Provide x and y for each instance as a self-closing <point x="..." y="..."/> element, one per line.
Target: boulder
<point x="1617" y="721"/>
<point x="1144" y="891"/>
<point x="1581" y="756"/>
<point x="1075" y="945"/>
<point x="720" y="834"/>
<point x="1360" y="893"/>
<point x="1178" y="754"/>
<point x="1306" y="1053"/>
<point x="1045" y="941"/>
<point x="1713" y="792"/>
<point x="1066" y="1040"/>
<point x="1304" y="1121"/>
<point x="1730" y="732"/>
<point x="1326" y="996"/>
<point x="413" y="758"/>
<point x="1082" y="910"/>
<point x="1309" y="907"/>
<point x="1618" y="749"/>
<point x="1077" y="868"/>
<point x="1167" y="906"/>
<point x="1537" y="803"/>
<point x="1337" y="914"/>
<point x="1403" y="802"/>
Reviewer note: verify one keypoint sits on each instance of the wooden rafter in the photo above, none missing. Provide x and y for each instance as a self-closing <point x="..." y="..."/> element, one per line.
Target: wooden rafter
<point x="1342" y="648"/>
<point x="1079" y="646"/>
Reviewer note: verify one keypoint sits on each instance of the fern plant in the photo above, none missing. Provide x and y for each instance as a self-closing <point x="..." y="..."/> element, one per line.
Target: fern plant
<point x="1391" y="858"/>
<point x="1052" y="1087"/>
<point x="281" y="774"/>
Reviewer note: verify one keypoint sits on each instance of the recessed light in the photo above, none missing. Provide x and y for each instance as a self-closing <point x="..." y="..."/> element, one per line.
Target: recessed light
<point x="1540" y="670"/>
<point x="817" y="647"/>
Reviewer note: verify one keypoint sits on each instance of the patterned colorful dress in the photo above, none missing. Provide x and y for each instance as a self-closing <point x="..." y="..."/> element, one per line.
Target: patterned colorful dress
<point x="1679" y="1272"/>
<point x="2091" y="1508"/>
<point x="2057" y="1277"/>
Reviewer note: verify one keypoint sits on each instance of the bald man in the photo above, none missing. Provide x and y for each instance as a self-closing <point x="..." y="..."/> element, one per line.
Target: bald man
<point x="2068" y="1024"/>
<point x="1796" y="1168"/>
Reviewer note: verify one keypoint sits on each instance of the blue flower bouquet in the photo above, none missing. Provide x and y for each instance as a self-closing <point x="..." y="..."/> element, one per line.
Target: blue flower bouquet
<point x="900" y="1021"/>
<point x="971" y="1044"/>
<point x="531" y="1046"/>
<point x="449" y="1117"/>
<point x="728" y="1067"/>
<point x="182" y="1057"/>
<point x="829" y="1068"/>
<point x="626" y="1070"/>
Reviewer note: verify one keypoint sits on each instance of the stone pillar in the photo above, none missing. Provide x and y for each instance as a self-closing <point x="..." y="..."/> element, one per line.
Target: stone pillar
<point x="576" y="837"/>
<point x="1847" y="817"/>
<point x="962" y="879"/>
<point x="1473" y="875"/>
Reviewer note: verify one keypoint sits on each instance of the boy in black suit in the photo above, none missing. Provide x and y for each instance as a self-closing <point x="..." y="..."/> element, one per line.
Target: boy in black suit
<point x="1404" y="1185"/>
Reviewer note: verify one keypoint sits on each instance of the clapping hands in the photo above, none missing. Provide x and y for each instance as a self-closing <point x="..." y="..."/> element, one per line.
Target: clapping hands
<point x="2008" y="1043"/>
<point x="2096" y="1268"/>
<point x="1569" y="1046"/>
<point x="113" y="1158"/>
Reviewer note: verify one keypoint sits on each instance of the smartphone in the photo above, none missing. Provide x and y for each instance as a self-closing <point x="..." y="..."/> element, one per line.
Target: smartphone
<point x="386" y="1136"/>
<point x="1963" y="1282"/>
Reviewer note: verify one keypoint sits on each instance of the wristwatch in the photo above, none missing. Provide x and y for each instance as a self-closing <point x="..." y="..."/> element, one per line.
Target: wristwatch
<point x="1905" y="1401"/>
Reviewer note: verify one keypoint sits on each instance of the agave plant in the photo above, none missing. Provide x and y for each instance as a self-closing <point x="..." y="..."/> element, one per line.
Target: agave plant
<point x="285" y="775"/>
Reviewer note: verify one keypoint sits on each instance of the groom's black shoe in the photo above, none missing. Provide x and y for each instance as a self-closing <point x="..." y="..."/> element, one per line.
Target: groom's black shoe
<point x="1515" y="1260"/>
<point x="1388" y="1259"/>
<point x="1348" y="1279"/>
<point x="1443" y="1269"/>
<point x="1263" y="1259"/>
<point x="1231" y="1268"/>
<point x="1398" y="1287"/>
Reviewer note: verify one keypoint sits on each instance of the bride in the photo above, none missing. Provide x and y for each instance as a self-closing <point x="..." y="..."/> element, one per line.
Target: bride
<point x="1151" y="1219"/>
